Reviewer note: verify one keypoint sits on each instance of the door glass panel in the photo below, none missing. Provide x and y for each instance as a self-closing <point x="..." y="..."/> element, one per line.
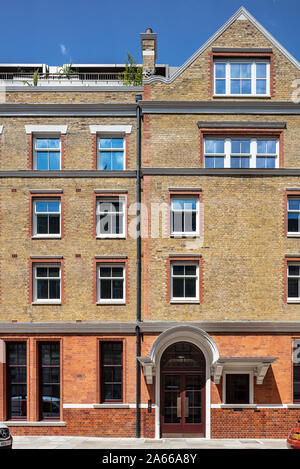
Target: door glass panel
<point x="183" y="355"/>
<point x="171" y="394"/>
<point x="193" y="386"/>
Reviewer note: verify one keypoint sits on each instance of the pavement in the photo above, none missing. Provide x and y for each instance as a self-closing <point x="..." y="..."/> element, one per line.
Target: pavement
<point x="78" y="442"/>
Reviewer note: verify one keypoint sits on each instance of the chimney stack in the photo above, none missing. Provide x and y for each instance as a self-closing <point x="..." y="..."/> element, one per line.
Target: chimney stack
<point x="149" y="42"/>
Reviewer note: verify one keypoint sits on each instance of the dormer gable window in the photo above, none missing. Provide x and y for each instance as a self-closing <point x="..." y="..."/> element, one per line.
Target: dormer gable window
<point x="241" y="77"/>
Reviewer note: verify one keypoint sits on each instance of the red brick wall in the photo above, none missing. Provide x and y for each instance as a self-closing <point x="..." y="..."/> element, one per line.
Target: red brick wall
<point x="96" y="423"/>
<point x="253" y="423"/>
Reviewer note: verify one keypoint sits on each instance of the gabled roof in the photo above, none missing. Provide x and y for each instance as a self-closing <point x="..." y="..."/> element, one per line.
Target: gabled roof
<point x="241" y="14"/>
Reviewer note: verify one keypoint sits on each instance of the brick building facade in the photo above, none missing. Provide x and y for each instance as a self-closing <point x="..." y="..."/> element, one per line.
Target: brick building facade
<point x="190" y="327"/>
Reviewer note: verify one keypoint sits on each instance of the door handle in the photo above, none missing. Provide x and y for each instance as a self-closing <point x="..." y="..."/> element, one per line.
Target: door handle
<point x="178" y="406"/>
<point x="186" y="407"/>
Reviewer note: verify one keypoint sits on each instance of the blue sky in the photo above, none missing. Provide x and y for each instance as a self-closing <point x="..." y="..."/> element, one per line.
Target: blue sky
<point x="103" y="31"/>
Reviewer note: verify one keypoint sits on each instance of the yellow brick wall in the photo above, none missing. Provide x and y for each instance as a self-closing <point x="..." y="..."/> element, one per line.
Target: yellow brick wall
<point x="243" y="251"/>
<point x="78" y="239"/>
<point x="194" y="82"/>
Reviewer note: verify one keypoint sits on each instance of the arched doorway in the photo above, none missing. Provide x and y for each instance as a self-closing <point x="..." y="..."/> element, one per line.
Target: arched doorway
<point x="183" y="378"/>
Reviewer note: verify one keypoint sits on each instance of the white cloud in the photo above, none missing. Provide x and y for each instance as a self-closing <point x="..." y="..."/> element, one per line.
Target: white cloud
<point x="63" y="49"/>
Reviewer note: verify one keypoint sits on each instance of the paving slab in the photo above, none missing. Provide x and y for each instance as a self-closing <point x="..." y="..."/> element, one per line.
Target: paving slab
<point x="77" y="442"/>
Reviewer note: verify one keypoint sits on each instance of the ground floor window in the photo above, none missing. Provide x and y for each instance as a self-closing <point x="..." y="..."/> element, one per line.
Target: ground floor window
<point x="111" y="358"/>
<point x="49" y="380"/>
<point x="16" y="370"/>
<point x="237" y="388"/>
<point x="296" y="371"/>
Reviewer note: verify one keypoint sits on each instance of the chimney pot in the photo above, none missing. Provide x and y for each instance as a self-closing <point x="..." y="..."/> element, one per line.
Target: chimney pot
<point x="149" y="31"/>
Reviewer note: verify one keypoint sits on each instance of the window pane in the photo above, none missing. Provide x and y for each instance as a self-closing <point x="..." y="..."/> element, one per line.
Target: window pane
<point x="293" y="288"/>
<point x="117" y="161"/>
<point x="42" y="161"/>
<point x="220" y="70"/>
<point x="260" y="162"/>
<point x="53" y="271"/>
<point x="237" y="389"/>
<point x="41" y="272"/>
<point x="54" y="289"/>
<point x="261" y="87"/>
<point x="49" y="378"/>
<point x="105" y="271"/>
<point x="293" y="222"/>
<point x="105" y="289"/>
<point x="214" y="146"/>
<point x="220" y="87"/>
<point x="54" y="224"/>
<point x="178" y="287"/>
<point x="42" y="289"/>
<point x="261" y="70"/>
<point x="235" y="87"/>
<point x="246" y="70"/>
<point x="219" y="146"/>
<point x="117" y="271"/>
<point x="41" y="206"/>
<point x="117" y="142"/>
<point x="54" y="161"/>
<point x="271" y="147"/>
<point x="53" y="206"/>
<point x="270" y="162"/>
<point x="294" y="270"/>
<point x="235" y="70"/>
<point x="105" y="161"/>
<point x="41" y="143"/>
<point x="190" y="288"/>
<point x="219" y="162"/>
<point x="178" y="269"/>
<point x="42" y="224"/>
<point x="246" y="86"/>
<point x="105" y="142"/>
<point x="209" y="162"/>
<point x="190" y="270"/>
<point x="294" y="204"/>
<point x="117" y="289"/>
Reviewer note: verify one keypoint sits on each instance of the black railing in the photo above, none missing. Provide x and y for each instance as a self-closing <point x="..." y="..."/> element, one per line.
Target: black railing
<point x="11" y="76"/>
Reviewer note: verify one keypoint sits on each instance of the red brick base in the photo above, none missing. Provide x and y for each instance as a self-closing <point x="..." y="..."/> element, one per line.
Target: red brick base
<point x="253" y="423"/>
<point x="106" y="423"/>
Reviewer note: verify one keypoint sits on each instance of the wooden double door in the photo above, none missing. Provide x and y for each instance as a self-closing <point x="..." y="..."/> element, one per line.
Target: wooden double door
<point x="183" y="401"/>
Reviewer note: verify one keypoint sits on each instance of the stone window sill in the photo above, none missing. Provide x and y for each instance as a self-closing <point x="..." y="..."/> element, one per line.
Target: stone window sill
<point x="111" y="406"/>
<point x="24" y="423"/>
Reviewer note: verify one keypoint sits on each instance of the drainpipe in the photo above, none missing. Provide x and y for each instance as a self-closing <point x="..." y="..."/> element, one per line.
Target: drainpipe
<point x="138" y="97"/>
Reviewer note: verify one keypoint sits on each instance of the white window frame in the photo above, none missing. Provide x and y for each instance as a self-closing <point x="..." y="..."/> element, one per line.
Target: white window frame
<point x="110" y="150"/>
<point x="35" y="150"/>
<point x="292" y="233"/>
<point x="36" y="300"/>
<point x="182" y="234"/>
<point x="292" y="299"/>
<point x="111" y="301"/>
<point x="34" y="221"/>
<point x="251" y="385"/>
<point x="184" y="299"/>
<point x="253" y="150"/>
<point x="121" y="200"/>
<point x="251" y="61"/>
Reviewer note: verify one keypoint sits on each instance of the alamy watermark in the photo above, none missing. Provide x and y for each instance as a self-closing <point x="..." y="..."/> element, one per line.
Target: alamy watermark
<point x="296" y="352"/>
<point x="155" y="220"/>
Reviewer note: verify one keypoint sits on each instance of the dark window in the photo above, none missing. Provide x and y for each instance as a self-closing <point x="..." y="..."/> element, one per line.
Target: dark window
<point x="237" y="388"/>
<point x="296" y="373"/>
<point x="49" y="355"/>
<point x="111" y="371"/>
<point x="293" y="215"/>
<point x="16" y="380"/>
